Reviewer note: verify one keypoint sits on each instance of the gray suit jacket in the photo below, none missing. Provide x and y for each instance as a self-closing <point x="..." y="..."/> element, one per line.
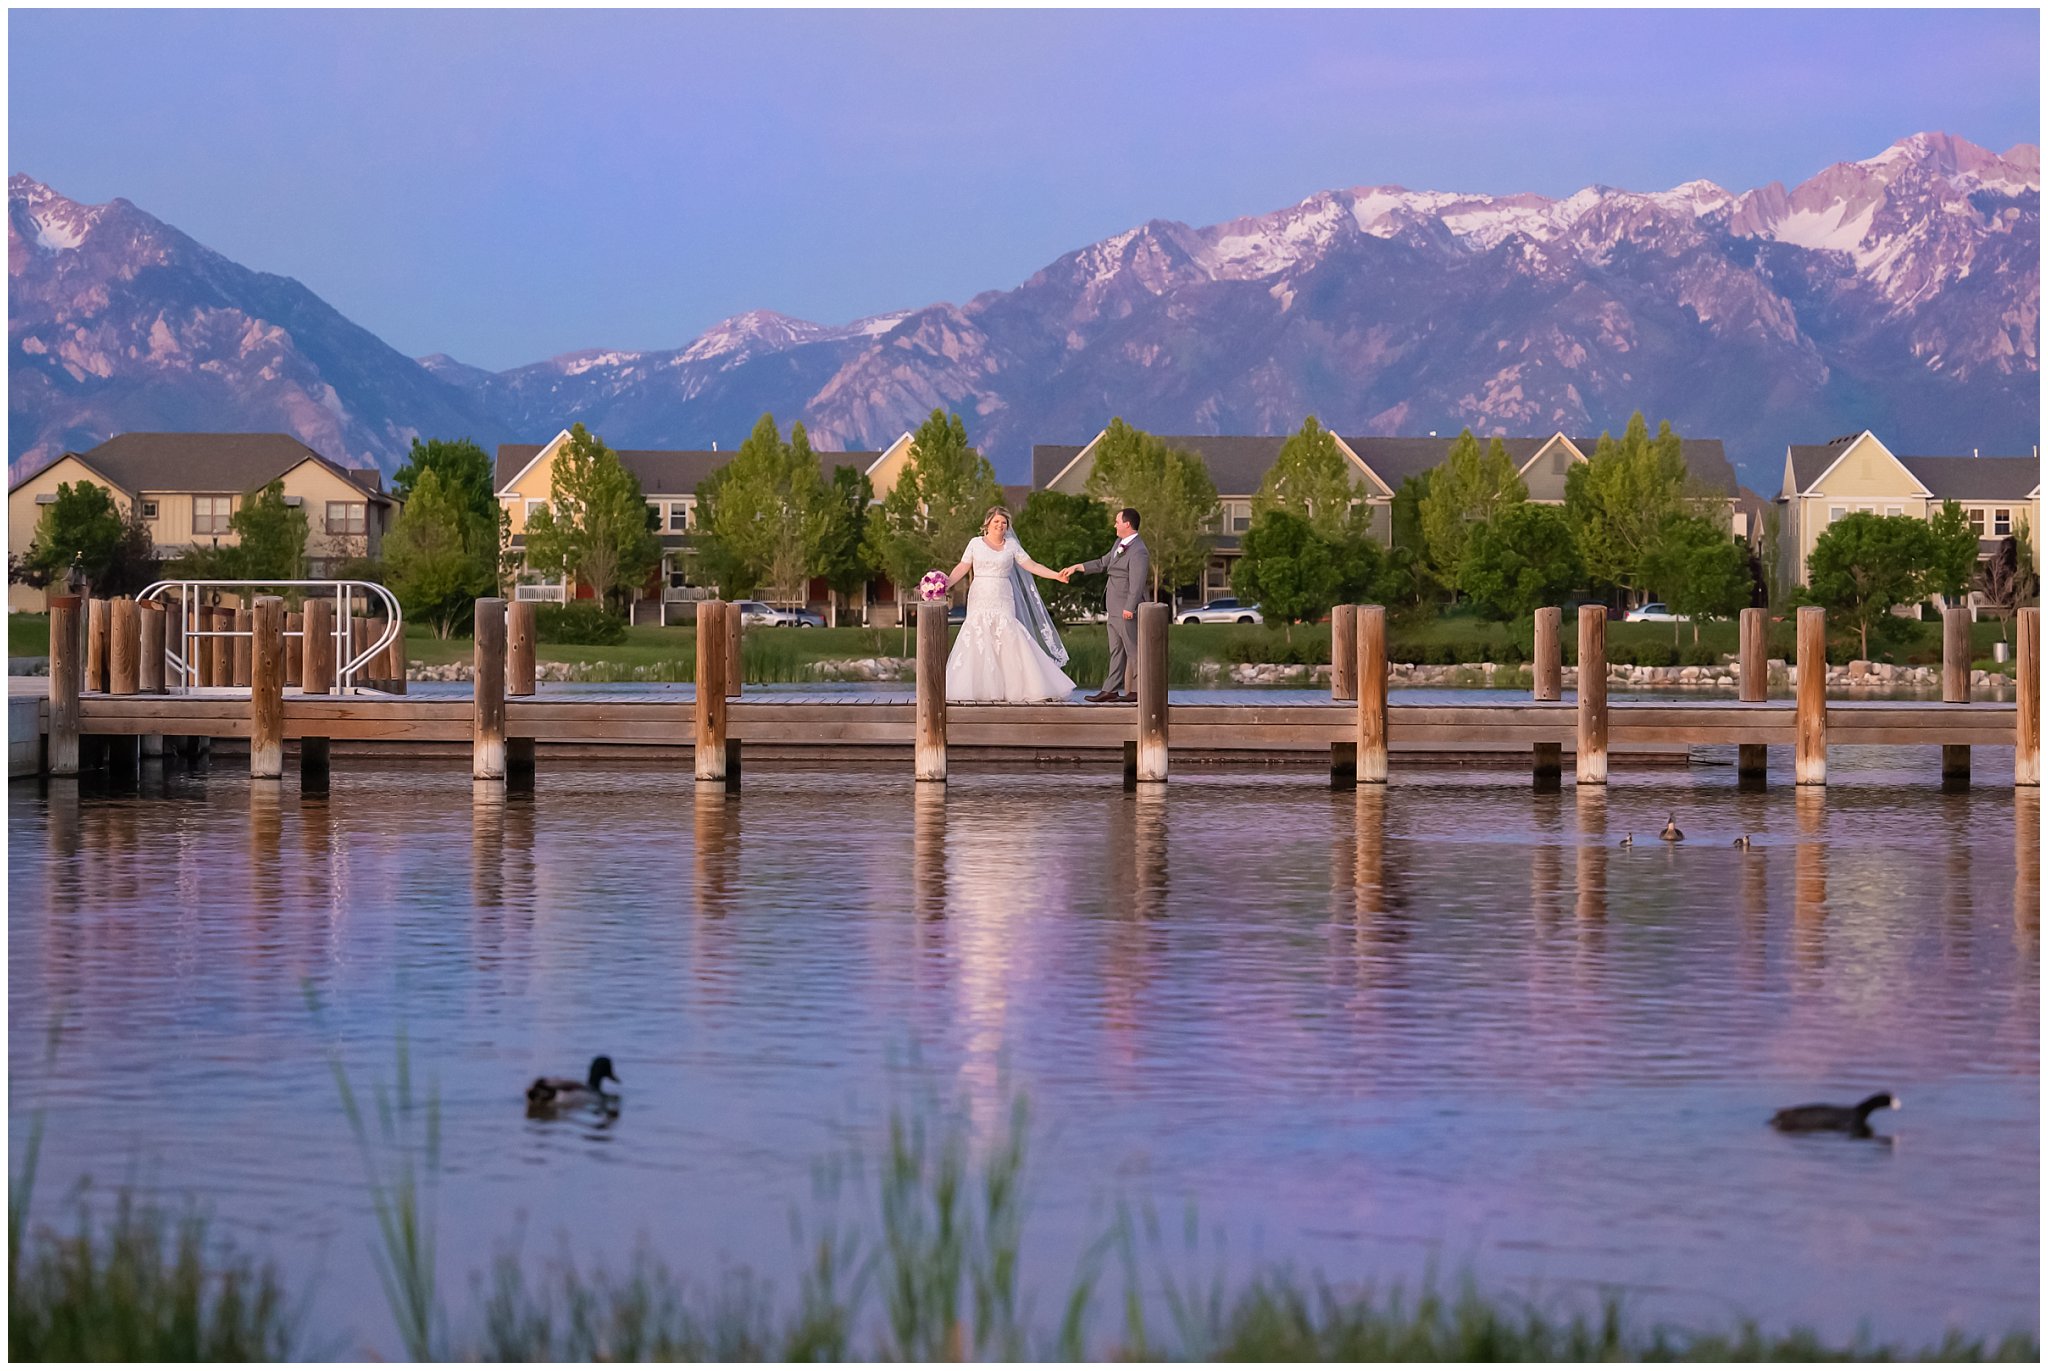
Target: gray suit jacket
<point x="1130" y="576"/>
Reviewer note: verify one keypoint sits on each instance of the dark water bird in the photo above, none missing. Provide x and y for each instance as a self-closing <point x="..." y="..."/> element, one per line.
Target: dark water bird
<point x="1743" y="842"/>
<point x="566" y="1092"/>
<point x="1671" y="833"/>
<point x="1629" y="841"/>
<point x="1833" y="1118"/>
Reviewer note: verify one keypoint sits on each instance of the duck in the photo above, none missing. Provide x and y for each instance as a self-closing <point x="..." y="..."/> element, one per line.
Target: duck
<point x="1833" y="1118"/>
<point x="1629" y="841"/>
<point x="1671" y="833"/>
<point x="566" y="1092"/>
<point x="1743" y="842"/>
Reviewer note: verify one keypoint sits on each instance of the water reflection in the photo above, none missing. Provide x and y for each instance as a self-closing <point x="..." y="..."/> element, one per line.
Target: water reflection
<point x="1590" y="804"/>
<point x="715" y="856"/>
<point x="2026" y="881"/>
<point x="1809" y="879"/>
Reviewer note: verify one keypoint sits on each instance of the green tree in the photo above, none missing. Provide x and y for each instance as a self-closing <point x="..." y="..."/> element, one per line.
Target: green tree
<point x="441" y="554"/>
<point x="1466" y="490"/>
<point x="1288" y="569"/>
<point x="1520" y="560"/>
<point x="843" y="558"/>
<point x="271" y="542"/>
<point x="465" y="472"/>
<point x="1312" y="480"/>
<point x="765" y="514"/>
<point x="1059" y="530"/>
<point x="1864" y="564"/>
<point x="1952" y="552"/>
<point x="595" y="526"/>
<point x="2007" y="579"/>
<point x="936" y="505"/>
<point x="1172" y="492"/>
<point x="1701" y="571"/>
<point x="1620" y="499"/>
<point x="114" y="551"/>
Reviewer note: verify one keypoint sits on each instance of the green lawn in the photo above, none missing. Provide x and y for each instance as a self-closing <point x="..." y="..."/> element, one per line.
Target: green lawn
<point x="28" y="635"/>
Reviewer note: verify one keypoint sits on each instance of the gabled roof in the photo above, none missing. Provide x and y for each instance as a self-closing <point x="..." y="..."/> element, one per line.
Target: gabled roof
<point x="1396" y="459"/>
<point x="1237" y="463"/>
<point x="1050" y="459"/>
<point x="1810" y="461"/>
<point x="206" y="463"/>
<point x="1976" y="478"/>
<point x="662" y="471"/>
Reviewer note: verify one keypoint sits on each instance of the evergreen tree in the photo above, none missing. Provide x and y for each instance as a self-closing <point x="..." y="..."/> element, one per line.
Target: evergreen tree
<point x="1701" y="571"/>
<point x="1311" y="479"/>
<point x="1866" y="563"/>
<point x="1289" y="570"/>
<point x="936" y="505"/>
<point x="595" y="527"/>
<point x="1520" y="560"/>
<point x="843" y="558"/>
<point x="1172" y="492"/>
<point x="464" y="468"/>
<point x="1063" y="530"/>
<point x="1466" y="490"/>
<point x="114" y="551"/>
<point x="441" y="554"/>
<point x="1952" y="552"/>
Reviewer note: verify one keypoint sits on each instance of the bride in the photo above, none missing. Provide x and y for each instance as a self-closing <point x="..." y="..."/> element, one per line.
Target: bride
<point x="1008" y="650"/>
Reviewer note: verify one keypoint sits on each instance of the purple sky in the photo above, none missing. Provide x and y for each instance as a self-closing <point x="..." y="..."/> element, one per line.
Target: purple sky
<point x="505" y="186"/>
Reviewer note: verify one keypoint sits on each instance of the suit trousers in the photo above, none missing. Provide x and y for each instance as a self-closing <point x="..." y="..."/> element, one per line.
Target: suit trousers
<point x="1122" y="675"/>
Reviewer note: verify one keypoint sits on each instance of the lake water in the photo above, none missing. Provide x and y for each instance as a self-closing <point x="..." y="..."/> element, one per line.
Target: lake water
<point x="1449" y="1025"/>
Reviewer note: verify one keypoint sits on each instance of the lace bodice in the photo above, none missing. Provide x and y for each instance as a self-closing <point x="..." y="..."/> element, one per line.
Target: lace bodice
<point x="991" y="567"/>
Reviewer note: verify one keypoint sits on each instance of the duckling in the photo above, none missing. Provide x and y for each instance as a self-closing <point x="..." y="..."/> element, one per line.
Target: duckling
<point x="1671" y="833"/>
<point x="566" y="1092"/>
<point x="1833" y="1118"/>
<point x="1743" y="842"/>
<point x="1629" y="841"/>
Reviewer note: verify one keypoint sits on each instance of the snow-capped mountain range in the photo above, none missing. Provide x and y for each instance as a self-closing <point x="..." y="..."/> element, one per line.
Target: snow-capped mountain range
<point x="1899" y="293"/>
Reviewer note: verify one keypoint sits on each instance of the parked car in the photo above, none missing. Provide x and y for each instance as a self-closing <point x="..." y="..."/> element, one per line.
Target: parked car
<point x="759" y="614"/>
<point x="1224" y="611"/>
<point x="1654" y="612"/>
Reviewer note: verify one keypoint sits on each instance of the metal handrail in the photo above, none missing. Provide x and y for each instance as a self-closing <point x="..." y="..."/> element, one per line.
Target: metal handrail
<point x="342" y="592"/>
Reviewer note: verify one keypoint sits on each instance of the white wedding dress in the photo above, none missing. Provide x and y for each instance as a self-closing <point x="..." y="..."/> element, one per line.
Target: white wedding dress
<point x="996" y="658"/>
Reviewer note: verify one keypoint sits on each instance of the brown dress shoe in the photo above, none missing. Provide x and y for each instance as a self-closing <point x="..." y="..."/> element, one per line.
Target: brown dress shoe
<point x="1129" y="697"/>
<point x="1103" y="697"/>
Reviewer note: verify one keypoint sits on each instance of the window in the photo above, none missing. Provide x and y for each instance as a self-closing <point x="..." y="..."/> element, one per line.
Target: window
<point x="1835" y="513"/>
<point x="2001" y="523"/>
<point x="678" y="516"/>
<point x="1240" y="518"/>
<point x="149" y="509"/>
<point x="1976" y="518"/>
<point x="531" y="506"/>
<point x="210" y="513"/>
<point x="347" y="516"/>
<point x="1894" y="510"/>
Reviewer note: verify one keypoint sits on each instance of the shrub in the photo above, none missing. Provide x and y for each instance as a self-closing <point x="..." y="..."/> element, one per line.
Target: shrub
<point x="1699" y="654"/>
<point x="579" y="621"/>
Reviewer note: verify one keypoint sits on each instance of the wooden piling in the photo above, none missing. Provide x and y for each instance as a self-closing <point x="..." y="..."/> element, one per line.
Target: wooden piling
<point x="1547" y="683"/>
<point x="294" y="649"/>
<point x="931" y="691"/>
<point x="711" y="712"/>
<point x="2026" y="752"/>
<point x="373" y="670"/>
<point x="1752" y="760"/>
<point x="1344" y="652"/>
<point x="201" y="646"/>
<point x="65" y="647"/>
<point x="519" y="649"/>
<point x="1955" y="690"/>
<point x="98" y="620"/>
<point x="395" y="662"/>
<point x="1152" y="751"/>
<point x="266" y="688"/>
<point x="735" y="662"/>
<point x="154" y="623"/>
<point x="316" y="677"/>
<point x="1810" y="758"/>
<point x="1372" y="694"/>
<point x="124" y="648"/>
<point x="487" y="687"/>
<point x="244" y="644"/>
<point x="1592" y="734"/>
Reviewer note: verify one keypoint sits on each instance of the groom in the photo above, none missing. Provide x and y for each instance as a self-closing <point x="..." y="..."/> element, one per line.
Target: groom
<point x="1129" y="565"/>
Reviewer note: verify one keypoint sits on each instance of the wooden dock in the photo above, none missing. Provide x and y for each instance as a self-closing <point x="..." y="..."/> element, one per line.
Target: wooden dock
<point x="505" y="722"/>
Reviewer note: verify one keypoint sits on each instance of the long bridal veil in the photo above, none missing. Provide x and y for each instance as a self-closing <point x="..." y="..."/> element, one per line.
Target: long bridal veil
<point x="1030" y="609"/>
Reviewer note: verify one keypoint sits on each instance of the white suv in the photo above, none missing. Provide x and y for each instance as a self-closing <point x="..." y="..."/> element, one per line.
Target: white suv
<point x="1223" y="612"/>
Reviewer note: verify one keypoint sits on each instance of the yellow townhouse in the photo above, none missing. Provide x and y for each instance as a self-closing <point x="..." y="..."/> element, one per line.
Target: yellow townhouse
<point x="189" y="486"/>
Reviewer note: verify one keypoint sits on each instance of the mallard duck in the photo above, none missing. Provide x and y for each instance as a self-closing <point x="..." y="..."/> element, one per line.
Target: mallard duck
<point x="1833" y="1118"/>
<point x="1629" y="841"/>
<point x="566" y="1092"/>
<point x="1743" y="842"/>
<point x="1671" y="833"/>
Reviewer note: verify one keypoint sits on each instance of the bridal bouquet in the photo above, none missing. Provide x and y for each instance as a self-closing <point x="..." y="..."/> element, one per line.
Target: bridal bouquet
<point x="934" y="586"/>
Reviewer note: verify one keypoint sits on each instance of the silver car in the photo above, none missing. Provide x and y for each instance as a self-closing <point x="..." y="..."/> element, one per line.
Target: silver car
<point x="760" y="614"/>
<point x="1226" y="611"/>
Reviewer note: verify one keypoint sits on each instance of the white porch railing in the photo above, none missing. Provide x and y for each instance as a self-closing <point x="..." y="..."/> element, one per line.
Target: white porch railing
<point x="348" y="596"/>
<point x="549" y="594"/>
